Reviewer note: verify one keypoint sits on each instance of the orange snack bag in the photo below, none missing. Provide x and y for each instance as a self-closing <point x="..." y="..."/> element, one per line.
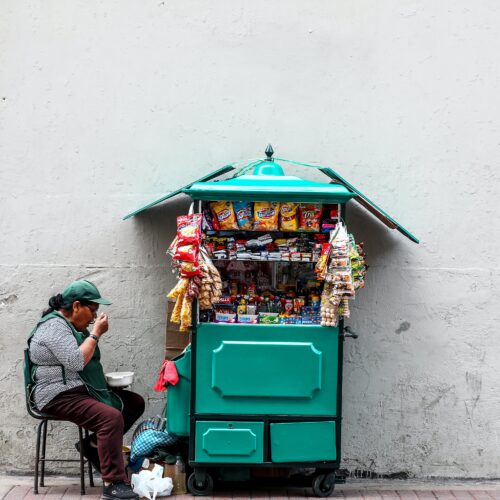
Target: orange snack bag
<point x="224" y="214"/>
<point x="289" y="219"/>
<point x="266" y="215"/>
<point x="310" y="216"/>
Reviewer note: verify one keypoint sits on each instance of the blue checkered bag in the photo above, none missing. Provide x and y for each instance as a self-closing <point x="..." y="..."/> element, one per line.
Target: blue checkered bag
<point x="148" y="436"/>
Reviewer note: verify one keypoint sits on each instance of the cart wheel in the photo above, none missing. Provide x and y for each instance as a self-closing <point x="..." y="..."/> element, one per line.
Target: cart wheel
<point x="200" y="489"/>
<point x="323" y="486"/>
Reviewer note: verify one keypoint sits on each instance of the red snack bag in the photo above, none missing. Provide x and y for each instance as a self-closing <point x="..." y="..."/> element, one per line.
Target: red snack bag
<point x="186" y="253"/>
<point x="189" y="228"/>
<point x="310" y="217"/>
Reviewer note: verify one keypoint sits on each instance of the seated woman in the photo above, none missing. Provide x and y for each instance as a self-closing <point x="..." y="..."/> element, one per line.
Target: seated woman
<point x="70" y="382"/>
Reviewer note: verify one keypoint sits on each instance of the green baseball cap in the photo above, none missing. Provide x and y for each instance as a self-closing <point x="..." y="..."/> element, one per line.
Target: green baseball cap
<point x="83" y="290"/>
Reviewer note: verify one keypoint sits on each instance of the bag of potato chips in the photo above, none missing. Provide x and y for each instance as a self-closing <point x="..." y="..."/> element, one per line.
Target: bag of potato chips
<point x="244" y="214"/>
<point x="310" y="216"/>
<point x="289" y="220"/>
<point x="224" y="213"/>
<point x="266" y="215"/>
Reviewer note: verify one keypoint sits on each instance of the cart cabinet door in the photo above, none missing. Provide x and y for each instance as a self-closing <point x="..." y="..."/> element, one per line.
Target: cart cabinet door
<point x="303" y="442"/>
<point x="233" y="442"/>
<point x="272" y="370"/>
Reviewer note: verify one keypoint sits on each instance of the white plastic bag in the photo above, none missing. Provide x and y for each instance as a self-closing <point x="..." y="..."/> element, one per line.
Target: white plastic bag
<point x="149" y="484"/>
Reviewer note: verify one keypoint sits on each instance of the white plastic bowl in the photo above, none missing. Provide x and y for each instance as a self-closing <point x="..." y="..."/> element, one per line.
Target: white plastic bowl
<point x="119" y="379"/>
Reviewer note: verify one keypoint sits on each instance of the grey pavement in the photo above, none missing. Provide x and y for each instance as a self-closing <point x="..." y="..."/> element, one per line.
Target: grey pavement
<point x="67" y="488"/>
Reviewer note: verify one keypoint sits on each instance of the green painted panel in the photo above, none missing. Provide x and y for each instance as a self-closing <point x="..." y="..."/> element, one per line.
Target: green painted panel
<point x="266" y="369"/>
<point x="211" y="175"/>
<point x="234" y="442"/>
<point x="179" y="397"/>
<point x="269" y="188"/>
<point x="303" y="441"/>
<point x="250" y="360"/>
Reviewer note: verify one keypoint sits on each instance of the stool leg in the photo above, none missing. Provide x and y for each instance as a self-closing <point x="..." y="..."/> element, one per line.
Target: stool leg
<point x="91" y="474"/>
<point x="82" y="470"/>
<point x="37" y="457"/>
<point x="44" y="446"/>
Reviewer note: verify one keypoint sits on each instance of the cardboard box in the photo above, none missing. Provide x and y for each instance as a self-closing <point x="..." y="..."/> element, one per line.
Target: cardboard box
<point x="175" y="341"/>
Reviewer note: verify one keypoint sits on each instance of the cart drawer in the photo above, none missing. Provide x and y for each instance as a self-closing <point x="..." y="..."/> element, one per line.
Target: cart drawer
<point x="303" y="441"/>
<point x="235" y="442"/>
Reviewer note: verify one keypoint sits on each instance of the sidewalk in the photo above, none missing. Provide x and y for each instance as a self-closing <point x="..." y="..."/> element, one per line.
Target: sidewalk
<point x="67" y="488"/>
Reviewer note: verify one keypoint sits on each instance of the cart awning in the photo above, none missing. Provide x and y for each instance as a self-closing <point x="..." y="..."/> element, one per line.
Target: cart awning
<point x="368" y="204"/>
<point x="269" y="188"/>
<point x="268" y="183"/>
<point x="212" y="175"/>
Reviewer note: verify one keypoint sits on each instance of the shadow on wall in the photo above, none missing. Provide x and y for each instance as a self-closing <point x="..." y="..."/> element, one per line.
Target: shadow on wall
<point x="382" y="244"/>
<point x="159" y="225"/>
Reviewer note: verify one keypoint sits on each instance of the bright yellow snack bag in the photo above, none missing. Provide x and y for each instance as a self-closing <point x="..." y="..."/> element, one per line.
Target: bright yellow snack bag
<point x="224" y="213"/>
<point x="289" y="216"/>
<point x="266" y="215"/>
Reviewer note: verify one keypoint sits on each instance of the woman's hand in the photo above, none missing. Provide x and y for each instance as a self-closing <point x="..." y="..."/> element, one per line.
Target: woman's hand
<point x="101" y="325"/>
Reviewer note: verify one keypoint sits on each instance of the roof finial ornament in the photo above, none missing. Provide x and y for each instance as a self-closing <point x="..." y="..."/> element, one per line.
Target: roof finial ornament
<point x="269" y="153"/>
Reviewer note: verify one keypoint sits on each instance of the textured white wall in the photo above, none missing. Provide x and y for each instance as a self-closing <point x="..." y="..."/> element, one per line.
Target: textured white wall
<point x="105" y="106"/>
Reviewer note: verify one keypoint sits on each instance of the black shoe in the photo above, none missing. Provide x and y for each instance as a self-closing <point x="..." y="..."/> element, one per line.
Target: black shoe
<point x="90" y="453"/>
<point x="119" y="490"/>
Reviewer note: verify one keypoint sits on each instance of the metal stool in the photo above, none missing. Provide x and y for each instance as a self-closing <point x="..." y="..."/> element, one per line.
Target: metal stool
<point x="41" y="439"/>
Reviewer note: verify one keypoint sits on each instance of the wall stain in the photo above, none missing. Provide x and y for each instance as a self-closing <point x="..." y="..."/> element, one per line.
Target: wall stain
<point x="7" y="301"/>
<point x="403" y="327"/>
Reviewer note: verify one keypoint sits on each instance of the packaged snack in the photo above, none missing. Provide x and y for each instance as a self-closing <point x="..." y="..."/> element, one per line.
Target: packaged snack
<point x="266" y="215"/>
<point x="251" y="319"/>
<point x="188" y="269"/>
<point x="269" y="318"/>
<point x="244" y="214"/>
<point x="224" y="214"/>
<point x="289" y="220"/>
<point x="186" y="312"/>
<point x="189" y="229"/>
<point x="207" y="222"/>
<point x="186" y="253"/>
<point x="310" y="216"/>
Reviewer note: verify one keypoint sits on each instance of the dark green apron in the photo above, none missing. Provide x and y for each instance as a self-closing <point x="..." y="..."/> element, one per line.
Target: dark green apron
<point x="92" y="374"/>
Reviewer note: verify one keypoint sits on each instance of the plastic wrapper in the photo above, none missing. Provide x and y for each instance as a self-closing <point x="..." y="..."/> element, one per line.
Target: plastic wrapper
<point x="244" y="214"/>
<point x="176" y="312"/>
<point x="310" y="216"/>
<point x="186" y="253"/>
<point x="224" y="214"/>
<point x="178" y="289"/>
<point x="193" y="289"/>
<point x="207" y="221"/>
<point x="186" y="314"/>
<point x="189" y="229"/>
<point x="189" y="269"/>
<point x="266" y="215"/>
<point x="289" y="217"/>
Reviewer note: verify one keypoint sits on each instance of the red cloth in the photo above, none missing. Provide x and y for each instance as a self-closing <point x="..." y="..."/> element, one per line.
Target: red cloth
<point x="168" y="375"/>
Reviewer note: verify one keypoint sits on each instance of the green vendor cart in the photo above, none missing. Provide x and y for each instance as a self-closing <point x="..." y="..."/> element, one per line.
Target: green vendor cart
<point x="254" y="396"/>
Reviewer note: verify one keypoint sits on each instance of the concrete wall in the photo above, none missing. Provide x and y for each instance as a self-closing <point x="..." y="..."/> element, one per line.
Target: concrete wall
<point x="105" y="106"/>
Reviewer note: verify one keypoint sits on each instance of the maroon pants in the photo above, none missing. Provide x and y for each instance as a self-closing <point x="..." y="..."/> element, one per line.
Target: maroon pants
<point x="108" y="423"/>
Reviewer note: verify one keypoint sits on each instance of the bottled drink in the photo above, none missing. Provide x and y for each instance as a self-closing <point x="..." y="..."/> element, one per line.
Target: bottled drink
<point x="179" y="479"/>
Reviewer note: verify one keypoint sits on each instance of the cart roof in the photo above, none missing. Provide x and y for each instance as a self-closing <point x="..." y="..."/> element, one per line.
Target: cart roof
<point x="267" y="182"/>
